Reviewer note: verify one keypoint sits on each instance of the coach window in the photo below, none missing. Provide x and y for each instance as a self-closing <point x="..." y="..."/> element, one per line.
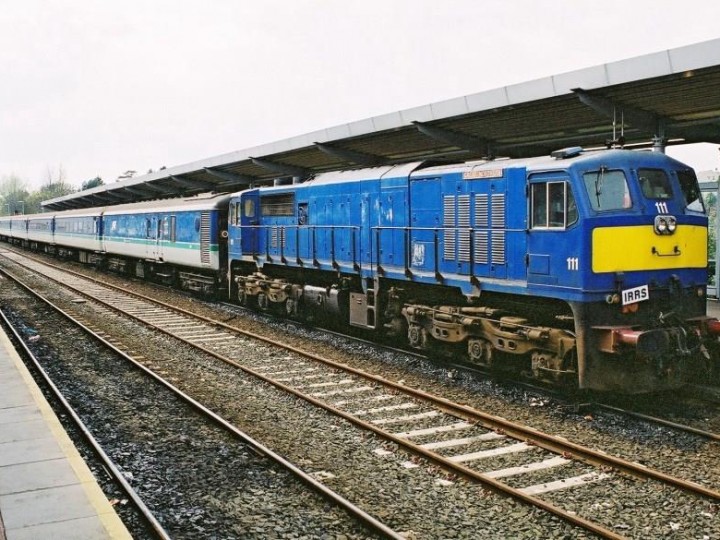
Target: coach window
<point x="607" y="190"/>
<point x="168" y="228"/>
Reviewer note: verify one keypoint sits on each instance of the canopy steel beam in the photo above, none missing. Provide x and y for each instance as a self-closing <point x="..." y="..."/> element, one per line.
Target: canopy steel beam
<point x="230" y="178"/>
<point x="193" y="184"/>
<point x="281" y="168"/>
<point x="360" y="158"/>
<point x="141" y="192"/>
<point x="639" y="118"/>
<point x="152" y="186"/>
<point x="477" y="145"/>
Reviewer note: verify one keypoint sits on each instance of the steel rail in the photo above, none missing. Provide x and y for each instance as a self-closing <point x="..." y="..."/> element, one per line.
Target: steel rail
<point x="107" y="461"/>
<point x="370" y="521"/>
<point x="517" y="431"/>
<point x="549" y="442"/>
<point x="660" y="421"/>
<point x="439" y="460"/>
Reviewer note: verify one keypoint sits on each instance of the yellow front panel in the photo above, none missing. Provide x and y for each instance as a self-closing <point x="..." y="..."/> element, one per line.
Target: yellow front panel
<point x="626" y="249"/>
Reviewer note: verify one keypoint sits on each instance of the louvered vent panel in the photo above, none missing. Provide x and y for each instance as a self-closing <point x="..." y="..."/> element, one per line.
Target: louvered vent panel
<point x="205" y="238"/>
<point x="274" y="237"/>
<point x="498" y="247"/>
<point x="482" y="212"/>
<point x="449" y="224"/>
<point x="481" y="247"/>
<point x="464" y="228"/>
<point x="498" y="211"/>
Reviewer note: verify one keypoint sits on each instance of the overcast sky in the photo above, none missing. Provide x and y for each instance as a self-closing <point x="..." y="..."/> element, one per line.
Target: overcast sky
<point x="100" y="87"/>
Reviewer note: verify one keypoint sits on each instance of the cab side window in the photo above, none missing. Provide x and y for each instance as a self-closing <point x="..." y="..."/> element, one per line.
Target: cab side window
<point x="249" y="208"/>
<point x="553" y="205"/>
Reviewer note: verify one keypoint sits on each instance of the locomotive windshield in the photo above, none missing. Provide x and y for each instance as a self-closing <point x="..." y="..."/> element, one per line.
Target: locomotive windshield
<point x="655" y="184"/>
<point x="607" y="190"/>
<point x="691" y="191"/>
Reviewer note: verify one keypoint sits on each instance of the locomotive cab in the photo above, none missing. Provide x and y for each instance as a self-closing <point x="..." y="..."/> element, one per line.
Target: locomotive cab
<point x="647" y="232"/>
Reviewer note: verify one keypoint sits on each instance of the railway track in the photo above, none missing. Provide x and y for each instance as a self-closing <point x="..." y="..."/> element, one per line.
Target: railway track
<point x="454" y="437"/>
<point x="709" y="394"/>
<point x="72" y="416"/>
<point x="584" y="403"/>
<point x="369" y="523"/>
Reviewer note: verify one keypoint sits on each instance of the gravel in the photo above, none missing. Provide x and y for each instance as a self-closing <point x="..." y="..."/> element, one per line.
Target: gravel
<point x="406" y="498"/>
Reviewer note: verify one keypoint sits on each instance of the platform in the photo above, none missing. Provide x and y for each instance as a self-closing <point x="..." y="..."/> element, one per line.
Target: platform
<point x="713" y="308"/>
<point x="46" y="489"/>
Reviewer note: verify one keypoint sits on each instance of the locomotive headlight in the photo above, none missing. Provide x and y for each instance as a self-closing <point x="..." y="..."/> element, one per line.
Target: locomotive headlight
<point x="665" y="224"/>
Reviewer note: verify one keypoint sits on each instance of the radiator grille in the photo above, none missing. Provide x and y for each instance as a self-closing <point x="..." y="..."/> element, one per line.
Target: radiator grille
<point x="482" y="212"/>
<point x="498" y="211"/>
<point x="498" y="222"/>
<point x="463" y="224"/>
<point x="277" y="237"/>
<point x="449" y="227"/>
<point x="481" y="247"/>
<point x="498" y="247"/>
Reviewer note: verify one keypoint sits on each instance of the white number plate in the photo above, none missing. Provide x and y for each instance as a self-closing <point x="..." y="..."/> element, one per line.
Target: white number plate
<point x="636" y="294"/>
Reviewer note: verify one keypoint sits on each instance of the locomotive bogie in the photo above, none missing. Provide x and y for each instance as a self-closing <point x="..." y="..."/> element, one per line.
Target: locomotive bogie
<point x="488" y="332"/>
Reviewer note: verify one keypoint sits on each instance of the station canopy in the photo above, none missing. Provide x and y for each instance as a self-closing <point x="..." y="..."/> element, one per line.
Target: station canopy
<point x="669" y="97"/>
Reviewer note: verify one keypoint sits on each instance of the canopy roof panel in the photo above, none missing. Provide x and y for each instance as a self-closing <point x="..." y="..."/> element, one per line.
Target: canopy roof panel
<point x="669" y="97"/>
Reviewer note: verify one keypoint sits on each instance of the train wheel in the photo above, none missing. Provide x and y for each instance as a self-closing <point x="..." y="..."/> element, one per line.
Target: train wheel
<point x="262" y="301"/>
<point x="417" y="337"/>
<point x="291" y="307"/>
<point x="242" y="298"/>
<point x="480" y="351"/>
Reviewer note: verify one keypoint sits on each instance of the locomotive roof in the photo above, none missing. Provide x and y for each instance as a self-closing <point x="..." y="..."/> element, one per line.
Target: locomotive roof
<point x="422" y="169"/>
<point x="546" y="163"/>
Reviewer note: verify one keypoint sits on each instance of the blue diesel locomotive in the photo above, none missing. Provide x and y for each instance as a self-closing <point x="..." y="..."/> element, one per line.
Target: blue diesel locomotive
<point x="586" y="267"/>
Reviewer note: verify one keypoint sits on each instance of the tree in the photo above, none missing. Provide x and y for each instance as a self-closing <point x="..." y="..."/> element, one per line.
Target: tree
<point x="48" y="191"/>
<point x="14" y="195"/>
<point x="93" y="182"/>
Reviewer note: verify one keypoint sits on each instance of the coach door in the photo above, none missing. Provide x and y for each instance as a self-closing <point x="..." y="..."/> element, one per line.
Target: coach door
<point x="152" y="237"/>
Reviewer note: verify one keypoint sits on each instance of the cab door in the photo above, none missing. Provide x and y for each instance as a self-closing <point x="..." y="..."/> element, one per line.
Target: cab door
<point x="250" y="232"/>
<point x="554" y="242"/>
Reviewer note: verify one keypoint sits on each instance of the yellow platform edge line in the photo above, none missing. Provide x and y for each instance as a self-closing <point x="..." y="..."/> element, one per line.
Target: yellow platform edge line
<point x="106" y="513"/>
